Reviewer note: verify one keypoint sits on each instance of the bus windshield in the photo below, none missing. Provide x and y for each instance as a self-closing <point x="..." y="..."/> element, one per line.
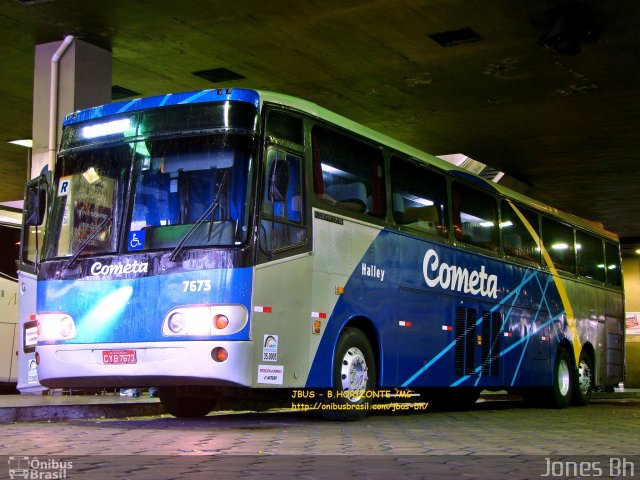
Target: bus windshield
<point x="87" y="201"/>
<point x="186" y="190"/>
<point x="191" y="191"/>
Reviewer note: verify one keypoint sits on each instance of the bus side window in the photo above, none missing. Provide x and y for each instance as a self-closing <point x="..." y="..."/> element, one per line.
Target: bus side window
<point x="419" y="198"/>
<point x="558" y="242"/>
<point x="590" y="256"/>
<point x="348" y="174"/>
<point x="282" y="221"/>
<point x="614" y="271"/>
<point x="10" y="244"/>
<point x="517" y="239"/>
<point x="475" y="217"/>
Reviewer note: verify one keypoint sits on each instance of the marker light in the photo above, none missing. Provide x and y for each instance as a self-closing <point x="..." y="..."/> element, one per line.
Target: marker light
<point x="219" y="354"/>
<point x="108" y="128"/>
<point x="220" y="321"/>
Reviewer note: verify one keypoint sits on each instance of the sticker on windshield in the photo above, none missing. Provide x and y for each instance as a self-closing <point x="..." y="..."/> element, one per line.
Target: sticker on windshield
<point x="136" y="240"/>
<point x="65" y="186"/>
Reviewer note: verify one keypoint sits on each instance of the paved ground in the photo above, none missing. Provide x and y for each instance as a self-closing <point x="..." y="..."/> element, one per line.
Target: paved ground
<point x="493" y="440"/>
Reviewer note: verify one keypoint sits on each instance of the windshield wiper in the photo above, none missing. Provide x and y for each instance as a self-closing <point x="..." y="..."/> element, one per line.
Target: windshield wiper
<point x="87" y="241"/>
<point x="210" y="211"/>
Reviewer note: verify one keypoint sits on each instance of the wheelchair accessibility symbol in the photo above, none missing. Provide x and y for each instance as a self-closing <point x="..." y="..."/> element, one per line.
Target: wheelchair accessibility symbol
<point x="136" y="240"/>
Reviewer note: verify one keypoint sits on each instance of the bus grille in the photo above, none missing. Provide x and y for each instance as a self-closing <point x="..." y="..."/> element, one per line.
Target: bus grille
<point x="465" y="340"/>
<point x="491" y="325"/>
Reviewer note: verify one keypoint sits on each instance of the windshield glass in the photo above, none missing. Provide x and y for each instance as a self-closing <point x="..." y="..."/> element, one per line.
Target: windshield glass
<point x="87" y="201"/>
<point x="192" y="190"/>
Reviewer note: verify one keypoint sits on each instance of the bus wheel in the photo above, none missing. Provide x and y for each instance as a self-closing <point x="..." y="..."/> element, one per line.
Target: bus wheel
<point x="184" y="406"/>
<point x="562" y="388"/>
<point x="584" y="385"/>
<point x="354" y="378"/>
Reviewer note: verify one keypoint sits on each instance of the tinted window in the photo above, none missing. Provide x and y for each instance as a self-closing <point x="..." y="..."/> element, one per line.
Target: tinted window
<point x="419" y="198"/>
<point x="590" y="256"/>
<point x="10" y="245"/>
<point x="282" y="222"/>
<point x="558" y="241"/>
<point x="285" y="126"/>
<point x="614" y="273"/>
<point x="517" y="239"/>
<point x="475" y="217"/>
<point x="348" y="174"/>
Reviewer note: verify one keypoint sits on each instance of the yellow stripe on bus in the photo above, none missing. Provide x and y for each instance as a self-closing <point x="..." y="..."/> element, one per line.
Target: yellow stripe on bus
<point x="571" y="319"/>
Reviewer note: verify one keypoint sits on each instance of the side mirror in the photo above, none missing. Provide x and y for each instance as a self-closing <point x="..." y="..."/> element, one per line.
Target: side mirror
<point x="35" y="206"/>
<point x="279" y="181"/>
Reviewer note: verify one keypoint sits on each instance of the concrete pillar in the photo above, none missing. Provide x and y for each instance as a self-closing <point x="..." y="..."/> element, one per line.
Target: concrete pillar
<point x="84" y="80"/>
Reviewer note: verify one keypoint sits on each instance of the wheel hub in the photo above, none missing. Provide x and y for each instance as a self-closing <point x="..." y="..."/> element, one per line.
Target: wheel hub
<point x="564" y="378"/>
<point x="584" y="377"/>
<point x="353" y="373"/>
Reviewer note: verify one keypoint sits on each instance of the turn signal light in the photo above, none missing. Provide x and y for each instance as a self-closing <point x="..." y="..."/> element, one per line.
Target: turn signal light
<point x="220" y="321"/>
<point x="219" y="354"/>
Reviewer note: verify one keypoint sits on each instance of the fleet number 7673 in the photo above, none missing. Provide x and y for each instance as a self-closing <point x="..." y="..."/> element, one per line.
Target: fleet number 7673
<point x="196" y="285"/>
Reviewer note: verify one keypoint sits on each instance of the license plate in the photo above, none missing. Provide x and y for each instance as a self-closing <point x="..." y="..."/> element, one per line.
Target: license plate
<point x="118" y="356"/>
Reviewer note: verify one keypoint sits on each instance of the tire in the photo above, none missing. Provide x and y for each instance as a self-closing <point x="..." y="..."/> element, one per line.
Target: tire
<point x="585" y="378"/>
<point x="354" y="372"/>
<point x="563" y="380"/>
<point x="183" y="405"/>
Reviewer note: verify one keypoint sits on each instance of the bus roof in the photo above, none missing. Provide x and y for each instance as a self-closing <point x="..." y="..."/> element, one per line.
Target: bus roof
<point x="258" y="97"/>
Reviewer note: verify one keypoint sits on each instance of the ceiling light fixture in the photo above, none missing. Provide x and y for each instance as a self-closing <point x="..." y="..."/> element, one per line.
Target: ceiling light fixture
<point x="27" y="142"/>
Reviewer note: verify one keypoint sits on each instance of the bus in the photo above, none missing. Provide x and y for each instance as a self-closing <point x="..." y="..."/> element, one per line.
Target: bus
<point x="10" y="219"/>
<point x="232" y="244"/>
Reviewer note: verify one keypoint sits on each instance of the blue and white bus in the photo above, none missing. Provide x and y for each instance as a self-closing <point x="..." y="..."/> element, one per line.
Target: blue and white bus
<point x="233" y="244"/>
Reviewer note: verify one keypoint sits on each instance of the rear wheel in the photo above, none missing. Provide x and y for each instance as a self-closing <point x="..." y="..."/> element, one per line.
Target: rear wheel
<point x="583" y="387"/>
<point x="182" y="404"/>
<point x="563" y="378"/>
<point x="354" y="377"/>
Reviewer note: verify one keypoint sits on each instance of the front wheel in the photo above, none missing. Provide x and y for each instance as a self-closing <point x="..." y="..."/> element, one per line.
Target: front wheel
<point x="354" y="377"/>
<point x="583" y="388"/>
<point x="563" y="379"/>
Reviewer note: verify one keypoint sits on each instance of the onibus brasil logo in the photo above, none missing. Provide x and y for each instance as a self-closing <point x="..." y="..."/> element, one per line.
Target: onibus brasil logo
<point x="41" y="469"/>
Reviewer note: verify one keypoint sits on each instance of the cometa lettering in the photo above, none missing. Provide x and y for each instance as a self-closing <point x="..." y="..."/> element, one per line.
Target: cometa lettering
<point x="457" y="278"/>
<point x="118" y="268"/>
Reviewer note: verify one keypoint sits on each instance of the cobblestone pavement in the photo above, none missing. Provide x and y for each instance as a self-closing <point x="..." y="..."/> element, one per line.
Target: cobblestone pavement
<point x="492" y="440"/>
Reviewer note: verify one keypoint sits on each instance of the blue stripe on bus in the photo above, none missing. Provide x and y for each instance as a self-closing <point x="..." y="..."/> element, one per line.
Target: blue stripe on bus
<point x="514" y="293"/>
<point x="132" y="310"/>
<point x="423" y="355"/>
<point x="213" y="95"/>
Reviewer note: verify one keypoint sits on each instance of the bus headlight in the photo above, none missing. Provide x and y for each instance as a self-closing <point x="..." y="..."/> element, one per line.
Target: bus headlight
<point x="55" y="326"/>
<point x="204" y="320"/>
<point x="176" y="322"/>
